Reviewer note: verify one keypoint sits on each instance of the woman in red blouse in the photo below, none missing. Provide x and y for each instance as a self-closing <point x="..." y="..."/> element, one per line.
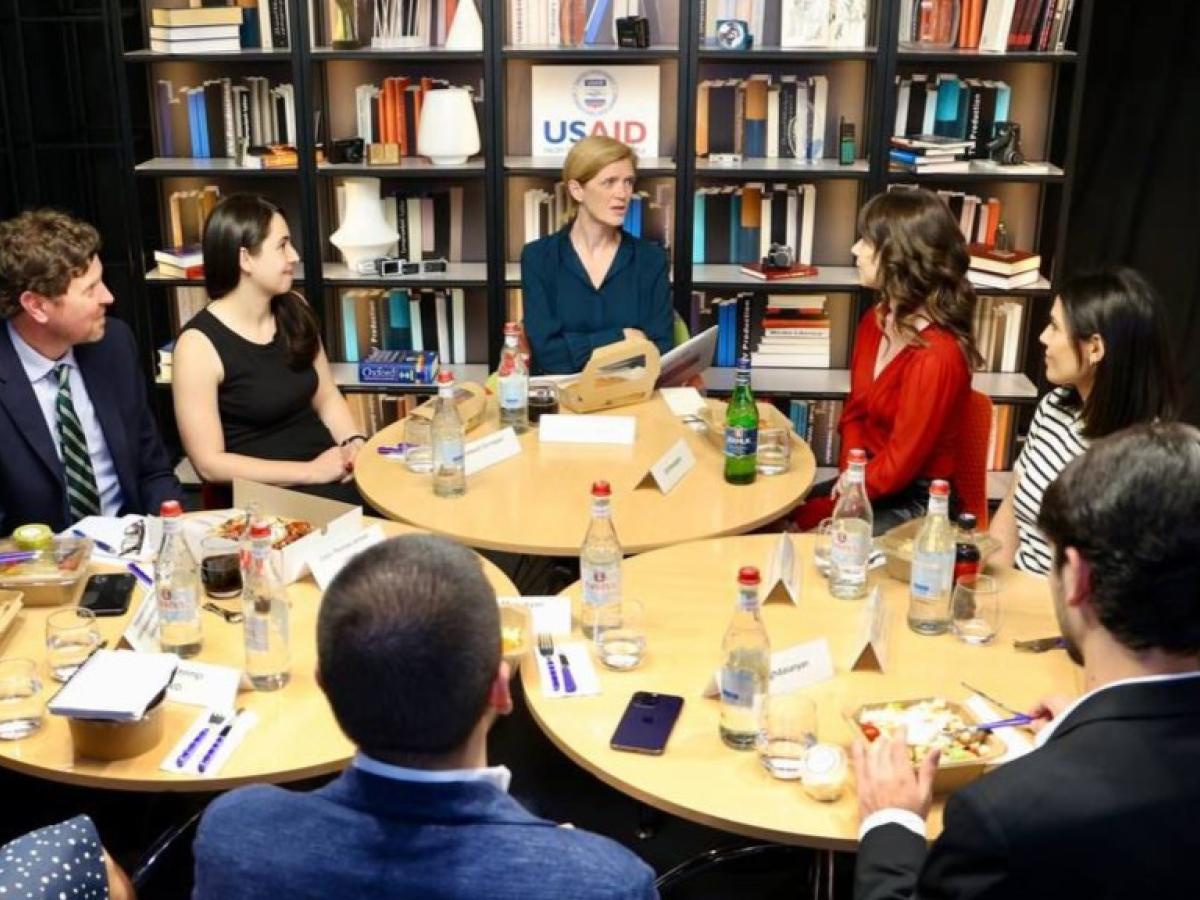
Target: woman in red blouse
<point x="910" y="371"/>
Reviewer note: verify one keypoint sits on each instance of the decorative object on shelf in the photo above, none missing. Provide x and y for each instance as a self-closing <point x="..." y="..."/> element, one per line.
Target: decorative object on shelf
<point x="934" y="25"/>
<point x="396" y="26"/>
<point x="845" y="143"/>
<point x="347" y="150"/>
<point x="383" y="155"/>
<point x="734" y="34"/>
<point x="1005" y="145"/>
<point x="633" y="32"/>
<point x="466" y="31"/>
<point x="350" y="23"/>
<point x="448" y="132"/>
<point x="364" y="232"/>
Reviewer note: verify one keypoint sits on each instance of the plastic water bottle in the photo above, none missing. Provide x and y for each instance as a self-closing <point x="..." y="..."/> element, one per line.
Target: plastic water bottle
<point x="449" y="454"/>
<point x="933" y="566"/>
<point x="746" y="670"/>
<point x="850" y="534"/>
<point x="177" y="587"/>
<point x="741" y="429"/>
<point x="599" y="561"/>
<point x="264" y="605"/>
<point x="513" y="378"/>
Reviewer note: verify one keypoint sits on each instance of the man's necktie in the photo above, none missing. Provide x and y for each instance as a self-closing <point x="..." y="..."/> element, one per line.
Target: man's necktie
<point x="83" y="497"/>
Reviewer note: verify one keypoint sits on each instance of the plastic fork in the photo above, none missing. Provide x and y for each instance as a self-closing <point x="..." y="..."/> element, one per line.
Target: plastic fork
<point x="545" y="645"/>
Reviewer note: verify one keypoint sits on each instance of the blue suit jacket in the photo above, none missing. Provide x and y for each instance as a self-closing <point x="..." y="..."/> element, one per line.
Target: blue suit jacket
<point x="367" y="836"/>
<point x="31" y="474"/>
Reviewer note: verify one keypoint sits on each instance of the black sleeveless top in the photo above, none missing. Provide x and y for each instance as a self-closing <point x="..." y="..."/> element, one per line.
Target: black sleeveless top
<point x="265" y="406"/>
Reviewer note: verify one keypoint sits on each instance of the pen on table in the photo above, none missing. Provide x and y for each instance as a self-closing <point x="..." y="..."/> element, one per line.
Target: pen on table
<point x="391" y="449"/>
<point x="104" y="548"/>
<point x="216" y="745"/>
<point x="17" y="556"/>
<point x="140" y="574"/>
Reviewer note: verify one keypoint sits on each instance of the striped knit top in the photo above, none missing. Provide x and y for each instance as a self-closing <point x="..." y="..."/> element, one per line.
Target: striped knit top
<point x="1054" y="440"/>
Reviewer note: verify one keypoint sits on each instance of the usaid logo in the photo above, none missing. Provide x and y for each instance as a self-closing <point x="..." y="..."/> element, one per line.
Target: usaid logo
<point x="594" y="92"/>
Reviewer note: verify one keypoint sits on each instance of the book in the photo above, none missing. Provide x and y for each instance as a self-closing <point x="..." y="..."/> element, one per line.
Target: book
<point x="756" y="270"/>
<point x="193" y="32"/>
<point x="1002" y="262"/>
<point x="180" y="257"/>
<point x="170" y="271"/>
<point x="211" y="15"/>
<point x="1003" y="282"/>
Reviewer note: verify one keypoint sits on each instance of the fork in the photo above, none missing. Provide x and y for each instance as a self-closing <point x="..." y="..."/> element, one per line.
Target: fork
<point x="546" y="647"/>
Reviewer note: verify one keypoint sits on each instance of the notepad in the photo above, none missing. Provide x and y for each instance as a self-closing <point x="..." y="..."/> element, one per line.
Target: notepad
<point x="115" y="684"/>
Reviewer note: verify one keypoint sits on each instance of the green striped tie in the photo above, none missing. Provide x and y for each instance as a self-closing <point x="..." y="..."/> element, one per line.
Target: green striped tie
<point x="83" y="497"/>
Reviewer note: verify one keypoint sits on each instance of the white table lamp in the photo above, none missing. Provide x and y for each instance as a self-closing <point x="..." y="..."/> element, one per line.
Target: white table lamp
<point x="448" y="132"/>
<point x="364" y="232"/>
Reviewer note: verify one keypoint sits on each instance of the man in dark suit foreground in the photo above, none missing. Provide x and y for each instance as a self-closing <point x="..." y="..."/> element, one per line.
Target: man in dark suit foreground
<point x="78" y="435"/>
<point x="408" y="653"/>
<point x="1106" y="805"/>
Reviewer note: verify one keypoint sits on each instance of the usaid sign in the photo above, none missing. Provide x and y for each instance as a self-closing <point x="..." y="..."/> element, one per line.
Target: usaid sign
<point x="573" y="102"/>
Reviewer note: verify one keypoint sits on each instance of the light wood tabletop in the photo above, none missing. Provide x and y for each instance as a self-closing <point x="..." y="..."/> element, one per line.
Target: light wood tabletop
<point x="538" y="502"/>
<point x="689" y="592"/>
<point x="296" y="736"/>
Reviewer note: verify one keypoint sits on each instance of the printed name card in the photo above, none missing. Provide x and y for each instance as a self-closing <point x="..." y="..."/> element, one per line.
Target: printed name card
<point x="331" y="559"/>
<point x="683" y="402"/>
<point x="491" y="449"/>
<point x="547" y="615"/>
<point x="792" y="668"/>
<point x="142" y="631"/>
<point x="202" y="684"/>
<point x="560" y="429"/>
<point x="670" y="468"/>
<point x="783" y="578"/>
<point x="869" y="653"/>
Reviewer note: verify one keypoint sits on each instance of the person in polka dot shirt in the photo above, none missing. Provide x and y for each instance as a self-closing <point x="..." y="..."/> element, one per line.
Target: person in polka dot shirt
<point x="61" y="862"/>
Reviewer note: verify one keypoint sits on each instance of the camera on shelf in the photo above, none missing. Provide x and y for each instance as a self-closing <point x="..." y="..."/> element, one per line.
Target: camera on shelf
<point x="347" y="150"/>
<point x="779" y="256"/>
<point x="390" y="265"/>
<point x="734" y="34"/>
<point x="1005" y="146"/>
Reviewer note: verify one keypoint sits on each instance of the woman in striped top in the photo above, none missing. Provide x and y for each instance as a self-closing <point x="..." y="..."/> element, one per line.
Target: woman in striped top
<point x="1108" y="355"/>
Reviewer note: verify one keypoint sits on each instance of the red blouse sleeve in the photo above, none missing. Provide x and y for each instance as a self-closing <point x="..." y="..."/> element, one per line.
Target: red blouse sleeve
<point x="933" y="387"/>
<point x="866" y="339"/>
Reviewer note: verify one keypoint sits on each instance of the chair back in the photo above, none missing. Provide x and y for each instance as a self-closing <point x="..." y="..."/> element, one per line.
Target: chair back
<point x="971" y="462"/>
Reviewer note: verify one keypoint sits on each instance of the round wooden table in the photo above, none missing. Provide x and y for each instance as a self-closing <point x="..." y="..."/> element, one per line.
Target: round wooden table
<point x="688" y="592"/>
<point x="296" y="736"/>
<point x="539" y="501"/>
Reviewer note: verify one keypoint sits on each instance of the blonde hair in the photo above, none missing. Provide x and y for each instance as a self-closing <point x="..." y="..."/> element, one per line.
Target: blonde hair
<point x="585" y="161"/>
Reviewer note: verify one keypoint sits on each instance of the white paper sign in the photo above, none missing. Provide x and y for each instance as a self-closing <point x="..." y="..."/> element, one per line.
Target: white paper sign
<point x="791" y="668"/>
<point x="331" y="559"/>
<point x="142" y="631"/>
<point x="570" y="103"/>
<point x="783" y="578"/>
<point x="683" y="401"/>
<point x="560" y="429"/>
<point x="869" y="653"/>
<point x="201" y="684"/>
<point x="547" y="615"/>
<point x="491" y="449"/>
<point x="208" y="743"/>
<point x="670" y="468"/>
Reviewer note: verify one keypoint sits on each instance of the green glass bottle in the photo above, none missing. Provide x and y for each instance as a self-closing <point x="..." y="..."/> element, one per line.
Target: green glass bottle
<point x="741" y="429"/>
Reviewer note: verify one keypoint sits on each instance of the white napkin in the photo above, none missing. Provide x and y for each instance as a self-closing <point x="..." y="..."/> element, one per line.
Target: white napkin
<point x="244" y="721"/>
<point x="1017" y="741"/>
<point x="580" y="658"/>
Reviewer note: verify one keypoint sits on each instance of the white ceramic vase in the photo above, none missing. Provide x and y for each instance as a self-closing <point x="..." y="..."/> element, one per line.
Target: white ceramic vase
<point x="448" y="132"/>
<point x="466" y="31"/>
<point x="364" y="232"/>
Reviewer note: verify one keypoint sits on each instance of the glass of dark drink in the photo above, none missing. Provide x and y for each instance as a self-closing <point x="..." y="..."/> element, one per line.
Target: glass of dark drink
<point x="220" y="568"/>
<point x="543" y="400"/>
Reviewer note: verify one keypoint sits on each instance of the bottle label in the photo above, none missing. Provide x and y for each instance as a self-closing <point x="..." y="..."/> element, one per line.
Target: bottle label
<point x="601" y="583"/>
<point x="448" y="453"/>
<point x="932" y="574"/>
<point x="740" y="442"/>
<point x="849" y="551"/>
<point x="176" y="604"/>
<point x="258" y="638"/>
<point x="739" y="688"/>
<point x="514" y="392"/>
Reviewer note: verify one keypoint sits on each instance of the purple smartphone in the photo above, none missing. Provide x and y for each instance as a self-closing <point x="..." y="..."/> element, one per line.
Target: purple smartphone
<point x="647" y="723"/>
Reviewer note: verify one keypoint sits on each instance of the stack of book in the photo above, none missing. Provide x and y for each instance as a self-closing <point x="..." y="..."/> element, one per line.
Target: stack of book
<point x="212" y="118"/>
<point x="927" y="153"/>
<point x="794" y="333"/>
<point x="1004" y="269"/>
<point x="201" y="30"/>
<point x="180" y="262"/>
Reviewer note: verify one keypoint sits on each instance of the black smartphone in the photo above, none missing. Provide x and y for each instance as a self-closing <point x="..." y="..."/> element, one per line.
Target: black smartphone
<point x="647" y="723"/>
<point x="108" y="594"/>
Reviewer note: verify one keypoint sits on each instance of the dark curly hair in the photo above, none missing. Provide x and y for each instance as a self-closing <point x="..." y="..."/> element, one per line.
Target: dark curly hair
<point x="42" y="250"/>
<point x="1130" y="506"/>
<point x="922" y="261"/>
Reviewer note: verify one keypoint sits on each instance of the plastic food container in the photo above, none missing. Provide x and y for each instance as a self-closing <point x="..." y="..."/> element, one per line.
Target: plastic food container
<point x="897" y="546"/>
<point x="53" y="576"/>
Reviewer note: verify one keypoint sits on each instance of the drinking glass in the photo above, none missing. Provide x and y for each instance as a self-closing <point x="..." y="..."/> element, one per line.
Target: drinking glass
<point x="20" y="705"/>
<point x="975" y="609"/>
<point x="774" y="450"/>
<point x="822" y="545"/>
<point x="543" y="400"/>
<point x="418" y="444"/>
<point x="220" y="567"/>
<point x="621" y="634"/>
<point x="789" y="729"/>
<point x="71" y="636"/>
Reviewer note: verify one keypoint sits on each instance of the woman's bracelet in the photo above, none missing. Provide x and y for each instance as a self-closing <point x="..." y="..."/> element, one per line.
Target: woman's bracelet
<point x="353" y="437"/>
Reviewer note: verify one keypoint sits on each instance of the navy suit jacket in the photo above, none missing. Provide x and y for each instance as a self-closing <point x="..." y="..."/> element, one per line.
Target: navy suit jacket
<point x="31" y="474"/>
<point x="363" y="835"/>
<point x="1106" y="808"/>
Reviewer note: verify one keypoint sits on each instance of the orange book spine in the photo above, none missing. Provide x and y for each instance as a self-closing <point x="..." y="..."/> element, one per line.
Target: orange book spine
<point x="401" y="127"/>
<point x="993" y="205"/>
<point x="385" y="112"/>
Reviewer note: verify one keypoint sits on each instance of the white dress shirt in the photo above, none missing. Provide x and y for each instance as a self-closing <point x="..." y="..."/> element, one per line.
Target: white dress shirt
<point x="40" y="372"/>
<point x="499" y="776"/>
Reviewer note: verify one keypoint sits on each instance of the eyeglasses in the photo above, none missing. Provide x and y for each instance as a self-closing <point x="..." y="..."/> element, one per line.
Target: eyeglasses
<point x="134" y="536"/>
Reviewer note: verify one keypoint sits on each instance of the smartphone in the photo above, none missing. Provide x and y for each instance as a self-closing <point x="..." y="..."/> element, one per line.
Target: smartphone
<point x="647" y="723"/>
<point x="108" y="594"/>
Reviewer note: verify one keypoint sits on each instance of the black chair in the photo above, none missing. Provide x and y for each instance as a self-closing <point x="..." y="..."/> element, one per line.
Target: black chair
<point x="693" y="876"/>
<point x="165" y="870"/>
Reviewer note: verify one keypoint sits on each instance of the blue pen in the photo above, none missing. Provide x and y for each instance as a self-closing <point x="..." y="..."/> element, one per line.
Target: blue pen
<point x="139" y="574"/>
<point x="216" y="745"/>
<point x="391" y="449"/>
<point x="104" y="548"/>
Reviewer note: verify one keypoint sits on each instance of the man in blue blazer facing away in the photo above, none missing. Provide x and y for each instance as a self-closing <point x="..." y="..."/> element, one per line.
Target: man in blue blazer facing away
<point x="408" y="654"/>
<point x="77" y="433"/>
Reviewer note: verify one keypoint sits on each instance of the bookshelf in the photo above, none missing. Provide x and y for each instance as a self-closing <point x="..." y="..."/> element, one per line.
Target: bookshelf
<point x="1047" y="95"/>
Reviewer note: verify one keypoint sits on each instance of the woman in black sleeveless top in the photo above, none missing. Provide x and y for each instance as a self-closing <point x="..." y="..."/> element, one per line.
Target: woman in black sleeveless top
<point x="254" y="394"/>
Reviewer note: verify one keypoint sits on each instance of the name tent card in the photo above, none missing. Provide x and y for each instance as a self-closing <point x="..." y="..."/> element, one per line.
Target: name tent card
<point x="142" y="631"/>
<point x="547" y="615"/>
<point x="870" y="650"/>
<point x="792" y="668"/>
<point x="670" y="468"/>
<point x="783" y="577"/>
<point x="491" y="449"/>
<point x="202" y="684"/>
<point x="330" y="561"/>
<point x="561" y="429"/>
